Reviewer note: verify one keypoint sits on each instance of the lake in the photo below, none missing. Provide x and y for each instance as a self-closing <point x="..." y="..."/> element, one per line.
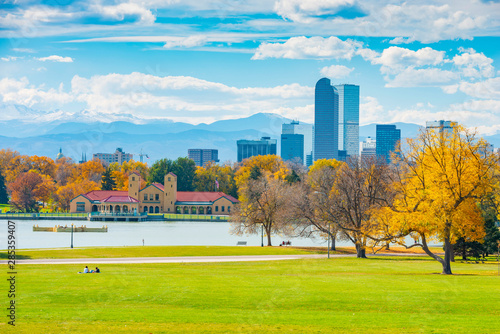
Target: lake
<point x="132" y="234"/>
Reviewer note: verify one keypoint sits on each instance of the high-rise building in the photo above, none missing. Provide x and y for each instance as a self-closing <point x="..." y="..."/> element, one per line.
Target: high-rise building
<point x="442" y="126"/>
<point x="202" y="156"/>
<point x="292" y="147"/>
<point x="326" y="121"/>
<point x="348" y="118"/>
<point x="250" y="148"/>
<point x="119" y="157"/>
<point x="369" y="148"/>
<point x="295" y="127"/>
<point x="388" y="138"/>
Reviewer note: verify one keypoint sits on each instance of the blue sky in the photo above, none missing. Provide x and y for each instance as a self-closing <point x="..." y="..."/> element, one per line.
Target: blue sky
<point x="202" y="61"/>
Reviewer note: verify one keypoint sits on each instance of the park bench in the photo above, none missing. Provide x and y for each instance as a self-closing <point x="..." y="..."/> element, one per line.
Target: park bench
<point x="241" y="243"/>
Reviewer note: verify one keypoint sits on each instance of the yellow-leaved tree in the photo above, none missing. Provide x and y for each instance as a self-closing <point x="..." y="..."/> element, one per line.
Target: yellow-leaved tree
<point x="439" y="182"/>
<point x="263" y="194"/>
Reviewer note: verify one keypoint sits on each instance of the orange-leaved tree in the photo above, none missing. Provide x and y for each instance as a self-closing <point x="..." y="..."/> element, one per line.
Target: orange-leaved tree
<point x="439" y="182"/>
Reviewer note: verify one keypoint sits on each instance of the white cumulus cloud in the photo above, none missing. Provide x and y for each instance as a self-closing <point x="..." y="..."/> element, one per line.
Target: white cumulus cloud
<point x="313" y="47"/>
<point x="336" y="71"/>
<point x="58" y="59"/>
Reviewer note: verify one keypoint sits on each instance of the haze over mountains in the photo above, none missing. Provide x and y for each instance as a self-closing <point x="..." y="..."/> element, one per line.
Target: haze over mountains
<point x="158" y="139"/>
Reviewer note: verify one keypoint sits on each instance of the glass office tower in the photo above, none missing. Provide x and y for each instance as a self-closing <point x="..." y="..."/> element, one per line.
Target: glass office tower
<point x="348" y="118"/>
<point x="295" y="127"/>
<point x="250" y="148"/>
<point x="326" y="121"/>
<point x="388" y="138"/>
<point x="292" y="147"/>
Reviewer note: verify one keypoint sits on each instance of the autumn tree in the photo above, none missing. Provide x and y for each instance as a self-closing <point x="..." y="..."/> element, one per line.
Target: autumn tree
<point x="206" y="177"/>
<point x="264" y="207"/>
<point x="309" y="201"/>
<point x="23" y="192"/>
<point x="42" y="165"/>
<point x="263" y="194"/>
<point x="440" y="181"/>
<point x="65" y="171"/>
<point x="88" y="171"/>
<point x="44" y="190"/>
<point x="65" y="194"/>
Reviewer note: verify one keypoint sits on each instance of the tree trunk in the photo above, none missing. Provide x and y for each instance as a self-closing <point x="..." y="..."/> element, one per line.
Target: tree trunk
<point x="268" y="232"/>
<point x="333" y="243"/>
<point x="360" y="251"/>
<point x="464" y="252"/>
<point x="447" y="257"/>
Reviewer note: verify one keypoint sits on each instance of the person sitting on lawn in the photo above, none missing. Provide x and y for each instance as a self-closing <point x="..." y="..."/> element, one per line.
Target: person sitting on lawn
<point x="86" y="270"/>
<point x="97" y="270"/>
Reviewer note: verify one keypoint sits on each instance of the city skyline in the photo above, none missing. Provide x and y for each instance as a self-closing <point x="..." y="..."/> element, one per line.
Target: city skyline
<point x="202" y="62"/>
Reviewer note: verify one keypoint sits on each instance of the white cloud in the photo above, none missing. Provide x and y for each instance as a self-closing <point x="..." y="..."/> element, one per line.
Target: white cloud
<point x="10" y="58"/>
<point x="336" y="71"/>
<point x="411" y="77"/>
<point x="394" y="58"/>
<point x="370" y="110"/>
<point x="306" y="11"/>
<point x="58" y="59"/>
<point x="121" y="11"/>
<point x="473" y="64"/>
<point x="402" y="40"/>
<point x="487" y="89"/>
<point x="313" y="47"/>
<point x="21" y="92"/>
<point x="189" y="42"/>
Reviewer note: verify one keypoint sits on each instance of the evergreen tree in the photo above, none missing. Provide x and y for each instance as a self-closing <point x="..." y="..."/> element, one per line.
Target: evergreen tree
<point x="158" y="171"/>
<point x="4" y="197"/>
<point x="107" y="181"/>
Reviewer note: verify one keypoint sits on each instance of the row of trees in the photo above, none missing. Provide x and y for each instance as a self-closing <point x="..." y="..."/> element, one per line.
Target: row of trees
<point x="443" y="188"/>
<point x="31" y="183"/>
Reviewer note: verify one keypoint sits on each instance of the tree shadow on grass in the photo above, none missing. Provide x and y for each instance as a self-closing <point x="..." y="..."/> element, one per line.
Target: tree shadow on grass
<point x="5" y="256"/>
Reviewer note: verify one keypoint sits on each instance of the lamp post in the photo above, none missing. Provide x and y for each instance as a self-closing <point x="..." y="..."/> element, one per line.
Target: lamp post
<point x="71" y="235"/>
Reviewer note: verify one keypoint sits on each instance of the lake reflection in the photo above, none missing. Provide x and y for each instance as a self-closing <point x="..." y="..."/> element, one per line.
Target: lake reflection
<point x="132" y="234"/>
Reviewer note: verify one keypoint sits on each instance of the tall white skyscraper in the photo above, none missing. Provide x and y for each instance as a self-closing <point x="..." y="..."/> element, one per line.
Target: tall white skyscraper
<point x="348" y="118"/>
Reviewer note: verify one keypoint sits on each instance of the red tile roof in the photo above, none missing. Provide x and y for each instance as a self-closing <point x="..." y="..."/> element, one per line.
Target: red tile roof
<point x="159" y="186"/>
<point x="202" y="196"/>
<point x="100" y="195"/>
<point x="120" y="199"/>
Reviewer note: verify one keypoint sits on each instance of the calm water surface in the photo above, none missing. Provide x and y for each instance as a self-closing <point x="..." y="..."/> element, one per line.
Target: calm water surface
<point x="132" y="234"/>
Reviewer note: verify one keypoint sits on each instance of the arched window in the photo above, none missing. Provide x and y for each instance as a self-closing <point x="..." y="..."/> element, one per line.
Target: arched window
<point x="146" y="209"/>
<point x="157" y="209"/>
<point x="151" y="209"/>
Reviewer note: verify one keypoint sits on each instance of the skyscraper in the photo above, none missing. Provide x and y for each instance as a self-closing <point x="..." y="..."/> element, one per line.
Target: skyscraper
<point x="348" y="118"/>
<point x="369" y="148"/>
<point x="388" y="138"/>
<point x="442" y="126"/>
<point x="295" y="127"/>
<point x="292" y="147"/>
<point x="326" y="121"/>
<point x="202" y="156"/>
<point x="250" y="148"/>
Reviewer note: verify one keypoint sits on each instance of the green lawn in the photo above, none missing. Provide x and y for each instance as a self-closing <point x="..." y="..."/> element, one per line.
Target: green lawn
<point x="153" y="251"/>
<point x="345" y="295"/>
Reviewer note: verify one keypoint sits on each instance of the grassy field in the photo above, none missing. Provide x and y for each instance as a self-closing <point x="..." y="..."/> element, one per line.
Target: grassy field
<point x="170" y="251"/>
<point x="4" y="207"/>
<point x="344" y="295"/>
<point x="155" y="251"/>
